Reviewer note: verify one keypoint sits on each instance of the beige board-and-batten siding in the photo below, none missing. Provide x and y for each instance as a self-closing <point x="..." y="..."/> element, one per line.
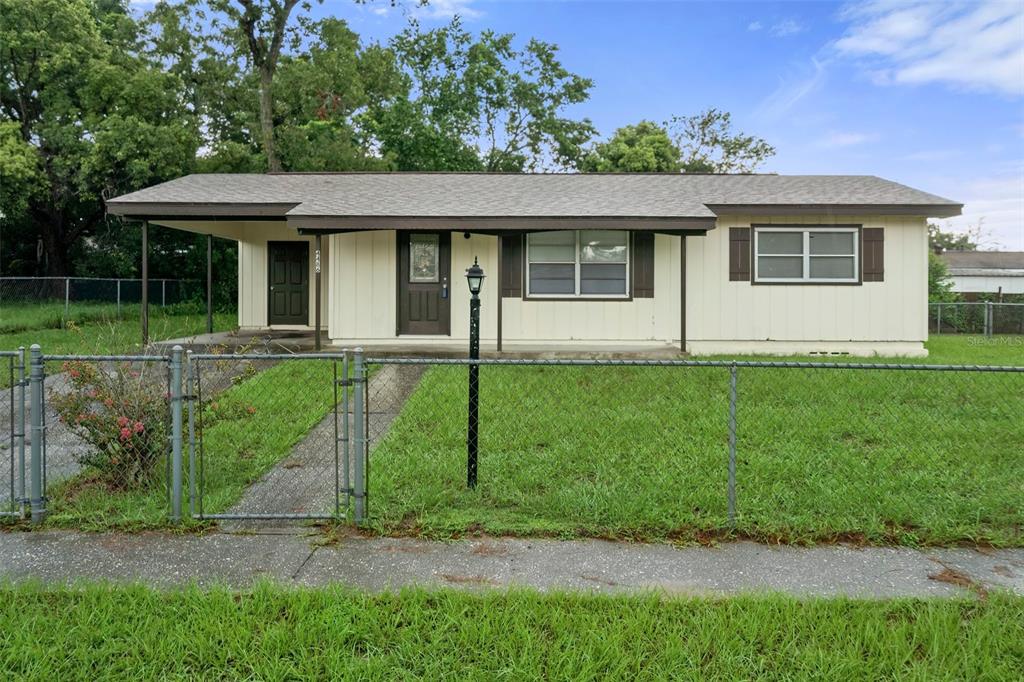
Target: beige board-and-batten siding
<point x="253" y="271"/>
<point x="364" y="297"/>
<point x="883" y="318"/>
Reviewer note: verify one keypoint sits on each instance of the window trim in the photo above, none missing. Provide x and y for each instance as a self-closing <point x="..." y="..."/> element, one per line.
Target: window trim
<point x="528" y="295"/>
<point x="806" y="255"/>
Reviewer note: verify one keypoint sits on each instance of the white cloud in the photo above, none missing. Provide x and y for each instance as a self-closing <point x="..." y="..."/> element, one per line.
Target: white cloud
<point x="969" y="45"/>
<point x="793" y="89"/>
<point x="836" y="139"/>
<point x="785" y="28"/>
<point x="446" y="9"/>
<point x="997" y="203"/>
<point x="754" y="26"/>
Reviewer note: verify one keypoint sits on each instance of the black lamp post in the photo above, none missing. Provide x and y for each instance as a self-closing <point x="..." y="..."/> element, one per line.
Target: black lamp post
<point x="475" y="278"/>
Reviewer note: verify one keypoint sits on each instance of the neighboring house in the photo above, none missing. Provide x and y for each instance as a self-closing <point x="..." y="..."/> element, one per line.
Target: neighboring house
<point x="986" y="272"/>
<point x="709" y="263"/>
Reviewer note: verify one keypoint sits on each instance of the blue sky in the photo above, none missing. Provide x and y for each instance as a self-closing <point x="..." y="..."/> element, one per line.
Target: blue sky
<point x="928" y="94"/>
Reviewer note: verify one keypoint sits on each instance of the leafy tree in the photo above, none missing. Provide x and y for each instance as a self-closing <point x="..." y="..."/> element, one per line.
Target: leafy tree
<point x="84" y="114"/>
<point x="481" y="104"/>
<point x="709" y="145"/>
<point x="644" y="147"/>
<point x="942" y="240"/>
<point x="940" y="286"/>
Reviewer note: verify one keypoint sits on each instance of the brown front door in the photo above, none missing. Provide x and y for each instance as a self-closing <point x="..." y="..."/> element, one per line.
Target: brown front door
<point x="424" y="268"/>
<point x="289" y="283"/>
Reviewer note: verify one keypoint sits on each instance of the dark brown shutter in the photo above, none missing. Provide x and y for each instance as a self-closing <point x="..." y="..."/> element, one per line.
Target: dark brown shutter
<point x="872" y="255"/>
<point x="511" y="266"/>
<point x="739" y="254"/>
<point x="642" y="259"/>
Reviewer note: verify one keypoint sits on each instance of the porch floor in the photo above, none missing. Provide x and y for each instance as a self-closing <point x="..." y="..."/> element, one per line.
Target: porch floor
<point x="302" y="341"/>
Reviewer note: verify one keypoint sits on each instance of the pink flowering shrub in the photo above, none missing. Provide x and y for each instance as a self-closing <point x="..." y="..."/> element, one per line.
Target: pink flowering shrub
<point x="122" y="413"/>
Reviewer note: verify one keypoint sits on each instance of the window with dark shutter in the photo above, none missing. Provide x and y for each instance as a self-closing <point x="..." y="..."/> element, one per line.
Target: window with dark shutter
<point x="512" y="266"/>
<point x="873" y="254"/>
<point x="643" y="265"/>
<point x="739" y="254"/>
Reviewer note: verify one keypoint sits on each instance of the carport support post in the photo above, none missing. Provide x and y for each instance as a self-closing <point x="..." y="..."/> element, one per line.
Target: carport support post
<point x="359" y="434"/>
<point x="145" y="283"/>
<point x="176" y="465"/>
<point x="36" y="503"/>
<point x="316" y="302"/>
<point x="209" y="284"/>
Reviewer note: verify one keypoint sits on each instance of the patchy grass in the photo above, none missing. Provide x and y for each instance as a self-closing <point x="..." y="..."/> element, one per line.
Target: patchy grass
<point x="642" y="452"/>
<point x="248" y="429"/>
<point x="116" y="336"/>
<point x="97" y="632"/>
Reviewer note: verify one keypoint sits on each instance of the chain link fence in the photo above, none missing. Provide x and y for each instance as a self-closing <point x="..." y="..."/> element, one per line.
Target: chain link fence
<point x="42" y="302"/>
<point x="976" y="318"/>
<point x="773" y="450"/>
<point x="617" y="448"/>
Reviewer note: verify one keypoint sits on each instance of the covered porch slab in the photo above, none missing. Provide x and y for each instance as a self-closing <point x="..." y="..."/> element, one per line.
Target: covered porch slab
<point x="304" y="341"/>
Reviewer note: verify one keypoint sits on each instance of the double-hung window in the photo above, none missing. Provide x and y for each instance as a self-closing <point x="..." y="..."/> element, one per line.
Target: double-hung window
<point x="806" y="254"/>
<point x="578" y="263"/>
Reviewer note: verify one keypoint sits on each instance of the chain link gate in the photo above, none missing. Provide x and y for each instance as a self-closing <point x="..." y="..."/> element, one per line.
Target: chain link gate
<point x="12" y="440"/>
<point x="304" y="464"/>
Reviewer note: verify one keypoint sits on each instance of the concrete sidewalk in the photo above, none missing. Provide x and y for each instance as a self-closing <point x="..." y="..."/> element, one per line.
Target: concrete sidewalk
<point x="237" y="560"/>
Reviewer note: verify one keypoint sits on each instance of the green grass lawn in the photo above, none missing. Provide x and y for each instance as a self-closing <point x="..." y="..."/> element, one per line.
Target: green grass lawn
<point x="642" y="452"/>
<point x="96" y="632"/>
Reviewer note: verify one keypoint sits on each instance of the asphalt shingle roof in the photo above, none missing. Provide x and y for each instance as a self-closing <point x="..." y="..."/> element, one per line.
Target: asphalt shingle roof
<point x="526" y="195"/>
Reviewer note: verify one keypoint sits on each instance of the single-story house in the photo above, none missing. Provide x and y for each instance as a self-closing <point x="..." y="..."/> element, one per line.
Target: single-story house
<point x="705" y="263"/>
<point x="985" y="272"/>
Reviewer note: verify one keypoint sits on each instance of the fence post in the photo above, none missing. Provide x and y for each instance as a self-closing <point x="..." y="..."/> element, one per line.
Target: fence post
<point x="119" y="299"/>
<point x="67" y="299"/>
<point x="19" y="421"/>
<point x="989" y="318"/>
<point x="732" y="446"/>
<point x="359" y="437"/>
<point x="163" y="293"/>
<point x="37" y="503"/>
<point x="176" y="474"/>
<point x="938" y="324"/>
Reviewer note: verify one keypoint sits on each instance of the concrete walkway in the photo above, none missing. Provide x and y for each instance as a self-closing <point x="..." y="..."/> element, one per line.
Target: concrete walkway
<point x="237" y="560"/>
<point x="304" y="481"/>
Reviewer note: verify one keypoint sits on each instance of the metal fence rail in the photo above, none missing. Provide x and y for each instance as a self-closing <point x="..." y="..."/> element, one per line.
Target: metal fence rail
<point x="979" y="317"/>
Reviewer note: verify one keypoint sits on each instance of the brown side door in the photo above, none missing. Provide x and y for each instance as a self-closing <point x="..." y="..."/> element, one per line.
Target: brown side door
<point x="289" y="283"/>
<point x="424" y="271"/>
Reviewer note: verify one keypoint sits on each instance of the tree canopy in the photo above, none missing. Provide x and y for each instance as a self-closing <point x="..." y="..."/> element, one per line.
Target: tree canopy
<point x="703" y="143"/>
<point x="100" y="97"/>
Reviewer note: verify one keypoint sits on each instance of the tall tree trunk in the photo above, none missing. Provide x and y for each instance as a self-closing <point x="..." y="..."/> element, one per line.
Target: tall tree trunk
<point x="267" y="118"/>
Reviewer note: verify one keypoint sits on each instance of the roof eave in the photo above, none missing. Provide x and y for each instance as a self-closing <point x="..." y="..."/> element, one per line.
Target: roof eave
<point x="923" y="210"/>
<point x="502" y="223"/>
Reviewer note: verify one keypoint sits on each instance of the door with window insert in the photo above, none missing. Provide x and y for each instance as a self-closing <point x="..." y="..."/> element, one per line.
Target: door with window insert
<point x="424" y="268"/>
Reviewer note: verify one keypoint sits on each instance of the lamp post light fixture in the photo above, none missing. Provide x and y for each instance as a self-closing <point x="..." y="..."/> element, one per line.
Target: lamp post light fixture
<point x="475" y="279"/>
